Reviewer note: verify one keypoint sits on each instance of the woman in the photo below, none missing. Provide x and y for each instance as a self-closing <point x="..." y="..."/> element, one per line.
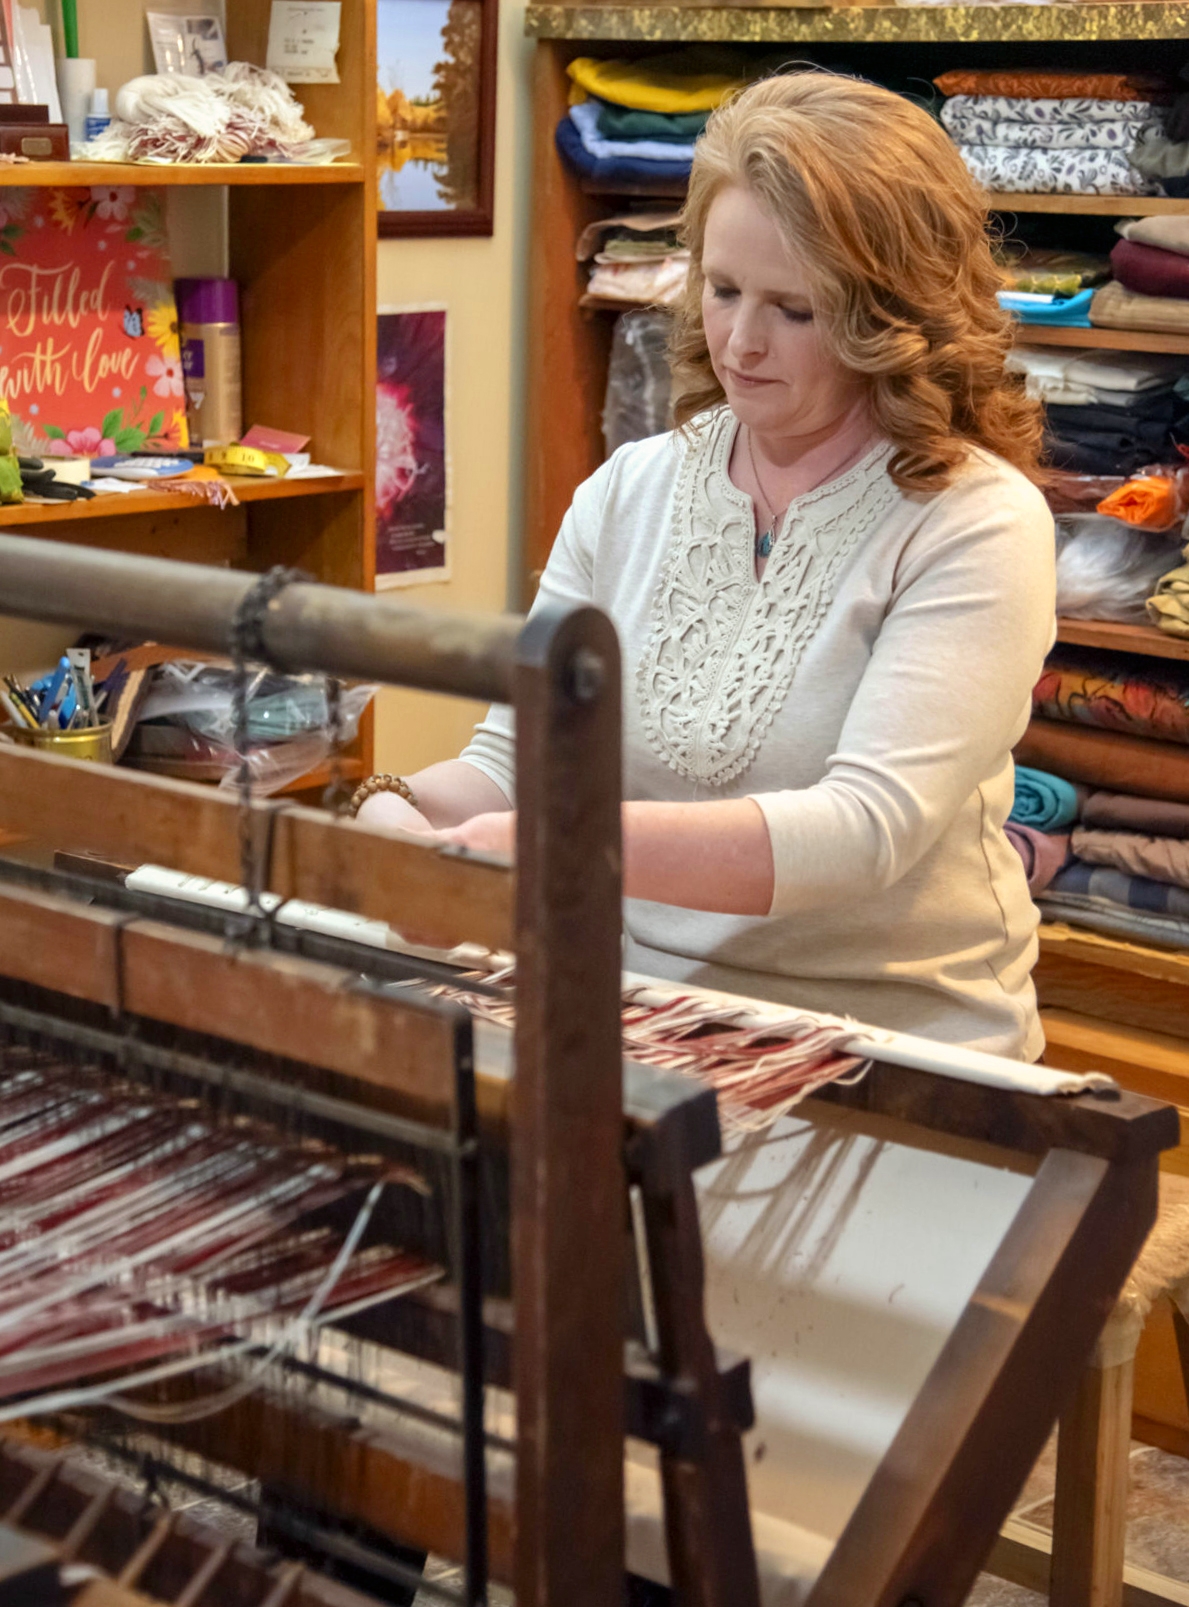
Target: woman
<point x="833" y="586"/>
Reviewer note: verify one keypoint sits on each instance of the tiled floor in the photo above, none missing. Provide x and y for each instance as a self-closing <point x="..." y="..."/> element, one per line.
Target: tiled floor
<point x="1157" y="1528"/>
<point x="1157" y="1522"/>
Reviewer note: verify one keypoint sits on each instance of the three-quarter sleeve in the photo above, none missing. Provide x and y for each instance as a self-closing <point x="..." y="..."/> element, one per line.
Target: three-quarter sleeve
<point x="945" y="696"/>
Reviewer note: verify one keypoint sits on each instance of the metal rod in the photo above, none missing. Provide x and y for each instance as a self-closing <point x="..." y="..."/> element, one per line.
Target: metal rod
<point x="309" y="627"/>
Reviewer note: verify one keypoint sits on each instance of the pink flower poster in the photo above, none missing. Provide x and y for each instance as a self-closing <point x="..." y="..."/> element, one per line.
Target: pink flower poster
<point x="412" y="485"/>
<point x="90" y="361"/>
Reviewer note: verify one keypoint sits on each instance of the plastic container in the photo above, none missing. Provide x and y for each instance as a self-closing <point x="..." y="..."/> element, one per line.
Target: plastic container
<point x="208" y="312"/>
<point x="99" y="116"/>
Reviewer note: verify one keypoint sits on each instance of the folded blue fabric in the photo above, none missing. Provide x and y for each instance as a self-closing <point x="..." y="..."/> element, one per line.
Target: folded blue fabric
<point x="1048" y="803"/>
<point x="1115" y="888"/>
<point x="1114" y="920"/>
<point x="616" y="169"/>
<point x="585" y="119"/>
<point x="1064" y="311"/>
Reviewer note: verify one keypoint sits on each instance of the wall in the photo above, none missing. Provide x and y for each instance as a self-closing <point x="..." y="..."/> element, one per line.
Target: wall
<point x="482" y="282"/>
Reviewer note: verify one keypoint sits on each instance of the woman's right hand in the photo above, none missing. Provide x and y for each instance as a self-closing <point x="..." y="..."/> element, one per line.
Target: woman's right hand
<point x="387" y="809"/>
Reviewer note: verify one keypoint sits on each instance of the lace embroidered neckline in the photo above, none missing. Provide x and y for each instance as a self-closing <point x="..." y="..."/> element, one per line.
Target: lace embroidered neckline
<point x="723" y="646"/>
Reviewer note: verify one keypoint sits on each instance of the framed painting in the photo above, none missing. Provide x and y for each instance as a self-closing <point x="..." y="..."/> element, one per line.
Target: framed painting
<point x="435" y="115"/>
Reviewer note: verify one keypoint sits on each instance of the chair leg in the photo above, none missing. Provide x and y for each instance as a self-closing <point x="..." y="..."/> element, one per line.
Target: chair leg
<point x="1090" y="1506"/>
<point x="1180" y="1322"/>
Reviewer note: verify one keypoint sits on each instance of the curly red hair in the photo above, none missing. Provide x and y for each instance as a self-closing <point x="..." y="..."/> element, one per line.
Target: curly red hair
<point x="876" y="203"/>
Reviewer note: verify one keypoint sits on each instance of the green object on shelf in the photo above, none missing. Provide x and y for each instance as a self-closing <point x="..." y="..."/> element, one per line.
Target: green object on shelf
<point x="70" y="26"/>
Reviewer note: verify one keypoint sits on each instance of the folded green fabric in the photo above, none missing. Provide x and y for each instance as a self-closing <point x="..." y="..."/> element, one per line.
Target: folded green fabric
<point x="623" y="122"/>
<point x="1169" y="608"/>
<point x="1043" y="801"/>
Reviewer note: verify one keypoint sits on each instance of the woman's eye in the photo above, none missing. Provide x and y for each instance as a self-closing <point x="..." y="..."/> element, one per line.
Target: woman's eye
<point x="722" y="292"/>
<point x="797" y="315"/>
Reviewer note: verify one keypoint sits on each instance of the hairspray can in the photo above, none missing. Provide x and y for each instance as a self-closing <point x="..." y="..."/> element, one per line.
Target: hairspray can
<point x="208" y="313"/>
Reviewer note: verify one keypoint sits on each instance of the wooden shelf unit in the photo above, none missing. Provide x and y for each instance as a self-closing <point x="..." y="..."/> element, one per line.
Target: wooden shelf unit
<point x="570" y="340"/>
<point x="72" y="175"/>
<point x="1122" y="638"/>
<point x="301" y="244"/>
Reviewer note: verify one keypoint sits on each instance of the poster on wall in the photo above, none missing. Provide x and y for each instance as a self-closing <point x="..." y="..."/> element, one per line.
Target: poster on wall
<point x="412" y="476"/>
<point x="89" y="356"/>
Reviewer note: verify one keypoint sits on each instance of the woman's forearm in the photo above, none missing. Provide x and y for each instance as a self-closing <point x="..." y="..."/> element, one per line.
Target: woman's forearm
<point x="454" y="791"/>
<point x="701" y="856"/>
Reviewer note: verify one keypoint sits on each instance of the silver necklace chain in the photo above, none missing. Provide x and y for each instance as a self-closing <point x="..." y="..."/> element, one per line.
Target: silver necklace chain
<point x="763" y="541"/>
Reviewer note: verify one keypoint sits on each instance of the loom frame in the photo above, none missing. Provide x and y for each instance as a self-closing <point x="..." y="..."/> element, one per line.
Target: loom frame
<point x="1014" y="1356"/>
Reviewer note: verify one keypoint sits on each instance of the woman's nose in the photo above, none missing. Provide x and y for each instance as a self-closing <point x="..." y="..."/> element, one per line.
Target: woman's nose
<point x="747" y="338"/>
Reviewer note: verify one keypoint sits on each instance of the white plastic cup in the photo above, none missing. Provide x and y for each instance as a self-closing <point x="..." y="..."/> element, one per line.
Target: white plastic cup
<point x="76" y="85"/>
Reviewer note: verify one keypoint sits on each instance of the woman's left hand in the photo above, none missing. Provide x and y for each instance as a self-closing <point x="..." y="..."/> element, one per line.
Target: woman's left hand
<point x="484" y="834"/>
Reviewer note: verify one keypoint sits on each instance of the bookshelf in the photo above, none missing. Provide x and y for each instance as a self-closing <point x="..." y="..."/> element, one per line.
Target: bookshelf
<point x="301" y="242"/>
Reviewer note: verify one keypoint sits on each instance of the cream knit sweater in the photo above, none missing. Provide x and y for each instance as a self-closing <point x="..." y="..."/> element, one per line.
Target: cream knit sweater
<point x="867" y="692"/>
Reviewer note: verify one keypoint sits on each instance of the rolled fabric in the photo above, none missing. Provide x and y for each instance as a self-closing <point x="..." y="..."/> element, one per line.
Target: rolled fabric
<point x="1106" y="759"/>
<point x="1119" y="812"/>
<point x="1043" y="801"/>
<point x="1115" y="920"/>
<point x="1042" y="852"/>
<point x="1116" y="307"/>
<point x="1163" y="859"/>
<point x="1151" y="270"/>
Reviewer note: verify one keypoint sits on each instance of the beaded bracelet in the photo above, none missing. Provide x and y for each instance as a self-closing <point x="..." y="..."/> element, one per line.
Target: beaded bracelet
<point x="381" y="783"/>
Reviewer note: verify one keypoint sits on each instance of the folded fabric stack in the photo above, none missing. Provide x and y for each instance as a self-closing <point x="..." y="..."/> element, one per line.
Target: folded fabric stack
<point x="637" y="259"/>
<point x="1107" y="412"/>
<point x="635" y="122"/>
<point x="1129" y="872"/>
<point x="1062" y="133"/>
<point x="1051" y="287"/>
<point x="1150" y="289"/>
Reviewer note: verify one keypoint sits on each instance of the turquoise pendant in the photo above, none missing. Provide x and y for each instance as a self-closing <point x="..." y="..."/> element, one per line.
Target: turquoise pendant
<point x="764" y="544"/>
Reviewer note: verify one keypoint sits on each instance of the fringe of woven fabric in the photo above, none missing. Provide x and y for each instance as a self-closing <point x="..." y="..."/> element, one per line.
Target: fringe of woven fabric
<point x="759" y="1071"/>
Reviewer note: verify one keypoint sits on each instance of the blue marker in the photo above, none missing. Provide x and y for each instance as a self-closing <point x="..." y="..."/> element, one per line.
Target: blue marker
<point x="53" y="689"/>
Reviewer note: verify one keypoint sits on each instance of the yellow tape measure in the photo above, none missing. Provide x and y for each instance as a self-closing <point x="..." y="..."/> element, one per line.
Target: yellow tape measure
<point x="238" y="459"/>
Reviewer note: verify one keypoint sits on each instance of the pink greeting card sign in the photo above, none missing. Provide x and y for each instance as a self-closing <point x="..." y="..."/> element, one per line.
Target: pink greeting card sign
<point x="90" y="361"/>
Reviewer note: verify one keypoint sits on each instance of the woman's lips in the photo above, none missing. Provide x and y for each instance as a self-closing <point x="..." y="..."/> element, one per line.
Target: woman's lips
<point x="747" y="381"/>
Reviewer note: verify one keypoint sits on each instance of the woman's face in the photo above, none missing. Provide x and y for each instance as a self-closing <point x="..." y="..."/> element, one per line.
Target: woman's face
<point x="780" y="377"/>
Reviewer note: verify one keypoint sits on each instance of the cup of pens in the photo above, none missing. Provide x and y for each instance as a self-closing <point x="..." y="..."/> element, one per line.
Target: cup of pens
<point x="60" y="712"/>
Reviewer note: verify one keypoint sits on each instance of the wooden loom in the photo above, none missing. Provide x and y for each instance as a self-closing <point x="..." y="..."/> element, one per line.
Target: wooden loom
<point x="576" y="1129"/>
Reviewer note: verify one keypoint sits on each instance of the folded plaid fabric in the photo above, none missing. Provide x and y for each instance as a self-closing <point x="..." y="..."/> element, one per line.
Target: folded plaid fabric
<point x="1101" y="885"/>
<point x="1114" y="920"/>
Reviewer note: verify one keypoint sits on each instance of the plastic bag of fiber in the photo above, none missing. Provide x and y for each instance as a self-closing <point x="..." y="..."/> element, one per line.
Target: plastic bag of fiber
<point x="1106" y="568"/>
<point x="638" y="402"/>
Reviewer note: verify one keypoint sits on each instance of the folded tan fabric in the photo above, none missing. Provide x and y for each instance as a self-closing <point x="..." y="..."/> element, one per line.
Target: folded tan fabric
<point x="1151" y="817"/>
<point x="1169" y="608"/>
<point x="1164" y="859"/>
<point x="1170" y="233"/>
<point x="1113" y="307"/>
<point x="1106" y="759"/>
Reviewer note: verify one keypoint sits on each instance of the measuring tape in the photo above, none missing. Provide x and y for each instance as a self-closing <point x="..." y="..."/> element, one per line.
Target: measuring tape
<point x="238" y="459"/>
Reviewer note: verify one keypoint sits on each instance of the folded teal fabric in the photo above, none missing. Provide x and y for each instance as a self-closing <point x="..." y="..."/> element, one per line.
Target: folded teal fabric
<point x="1043" y="801"/>
<point x="1031" y="308"/>
<point x="622" y="122"/>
